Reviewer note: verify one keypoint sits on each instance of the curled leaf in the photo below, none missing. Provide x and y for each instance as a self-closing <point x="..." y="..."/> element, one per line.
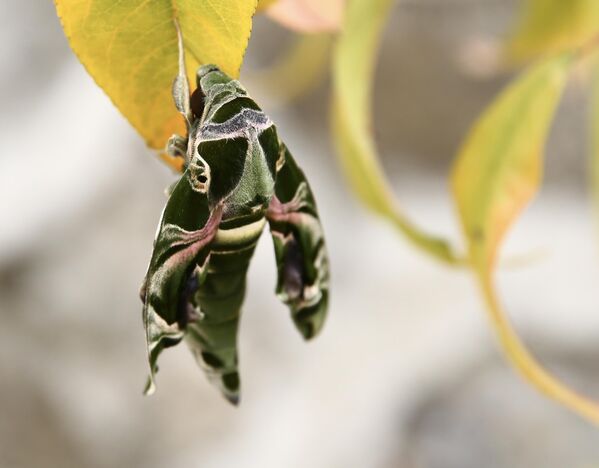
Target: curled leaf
<point x="497" y="172"/>
<point x="353" y="70"/>
<point x="130" y="49"/>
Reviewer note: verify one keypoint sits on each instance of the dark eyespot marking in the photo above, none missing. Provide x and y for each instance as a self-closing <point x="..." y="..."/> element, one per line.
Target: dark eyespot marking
<point x="197" y="102"/>
<point x="226" y="159"/>
<point x="269" y="141"/>
<point x="185" y="311"/>
<point x="293" y="270"/>
<point x="233" y="108"/>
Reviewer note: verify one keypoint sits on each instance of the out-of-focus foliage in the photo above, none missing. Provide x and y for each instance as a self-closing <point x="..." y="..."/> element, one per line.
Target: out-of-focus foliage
<point x="130" y="49"/>
<point x="498" y="168"/>
<point x="298" y="71"/>
<point x="353" y="69"/>
<point x="309" y="16"/>
<point x="497" y="172"/>
<point x="551" y="26"/>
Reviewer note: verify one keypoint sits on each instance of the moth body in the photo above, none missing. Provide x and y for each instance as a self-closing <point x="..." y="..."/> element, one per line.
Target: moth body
<point x="237" y="177"/>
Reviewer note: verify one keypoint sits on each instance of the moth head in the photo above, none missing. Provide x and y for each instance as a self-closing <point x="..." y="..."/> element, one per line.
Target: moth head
<point x="211" y="79"/>
<point x="209" y="75"/>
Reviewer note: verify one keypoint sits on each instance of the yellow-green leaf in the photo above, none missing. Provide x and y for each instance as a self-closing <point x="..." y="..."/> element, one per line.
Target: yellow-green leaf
<point x="550" y="26"/>
<point x="353" y="70"/>
<point x="498" y="168"/>
<point x="130" y="49"/>
<point x="497" y="172"/>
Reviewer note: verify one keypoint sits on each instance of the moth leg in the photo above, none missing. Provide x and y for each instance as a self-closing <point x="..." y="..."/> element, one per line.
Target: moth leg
<point x="176" y="150"/>
<point x="302" y="261"/>
<point x="176" y="146"/>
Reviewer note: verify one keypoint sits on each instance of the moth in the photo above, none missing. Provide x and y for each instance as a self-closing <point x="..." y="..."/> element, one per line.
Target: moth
<point x="238" y="176"/>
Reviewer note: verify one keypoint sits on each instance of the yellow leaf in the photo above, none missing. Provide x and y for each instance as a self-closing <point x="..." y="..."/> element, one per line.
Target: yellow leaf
<point x="550" y="26"/>
<point x="497" y="172"/>
<point x="353" y="69"/>
<point x="130" y="49"/>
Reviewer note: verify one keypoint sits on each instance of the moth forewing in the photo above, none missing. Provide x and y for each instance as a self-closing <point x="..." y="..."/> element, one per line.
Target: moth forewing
<point x="180" y="243"/>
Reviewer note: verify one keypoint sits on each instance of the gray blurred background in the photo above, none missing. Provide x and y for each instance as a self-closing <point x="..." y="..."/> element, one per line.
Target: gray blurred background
<point x="406" y="374"/>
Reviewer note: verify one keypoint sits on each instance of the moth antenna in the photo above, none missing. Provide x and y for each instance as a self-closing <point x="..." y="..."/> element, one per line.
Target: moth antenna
<point x="181" y="84"/>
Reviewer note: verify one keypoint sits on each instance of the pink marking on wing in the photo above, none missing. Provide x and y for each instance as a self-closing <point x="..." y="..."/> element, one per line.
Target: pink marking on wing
<point x="197" y="239"/>
<point x="278" y="211"/>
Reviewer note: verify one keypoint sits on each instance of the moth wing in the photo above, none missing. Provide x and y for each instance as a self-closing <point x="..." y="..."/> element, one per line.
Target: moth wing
<point x="298" y="237"/>
<point x="186" y="229"/>
<point x="213" y="338"/>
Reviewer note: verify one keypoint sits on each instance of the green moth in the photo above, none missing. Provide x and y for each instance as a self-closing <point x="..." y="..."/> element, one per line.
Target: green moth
<point x="237" y="177"/>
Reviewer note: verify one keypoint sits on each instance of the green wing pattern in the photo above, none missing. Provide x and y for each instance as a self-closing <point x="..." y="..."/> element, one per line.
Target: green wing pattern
<point x="180" y="245"/>
<point x="302" y="261"/>
<point x="219" y="297"/>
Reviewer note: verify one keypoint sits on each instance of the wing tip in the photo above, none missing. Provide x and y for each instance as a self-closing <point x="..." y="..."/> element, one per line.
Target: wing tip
<point x="150" y="387"/>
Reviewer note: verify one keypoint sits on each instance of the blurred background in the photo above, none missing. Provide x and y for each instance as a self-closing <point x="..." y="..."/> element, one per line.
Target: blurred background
<point x="406" y="374"/>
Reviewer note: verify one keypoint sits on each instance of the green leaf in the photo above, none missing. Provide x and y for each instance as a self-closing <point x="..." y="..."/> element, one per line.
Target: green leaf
<point x="130" y="49"/>
<point x="353" y="70"/>
<point x="497" y="172"/>
<point x="550" y="26"/>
